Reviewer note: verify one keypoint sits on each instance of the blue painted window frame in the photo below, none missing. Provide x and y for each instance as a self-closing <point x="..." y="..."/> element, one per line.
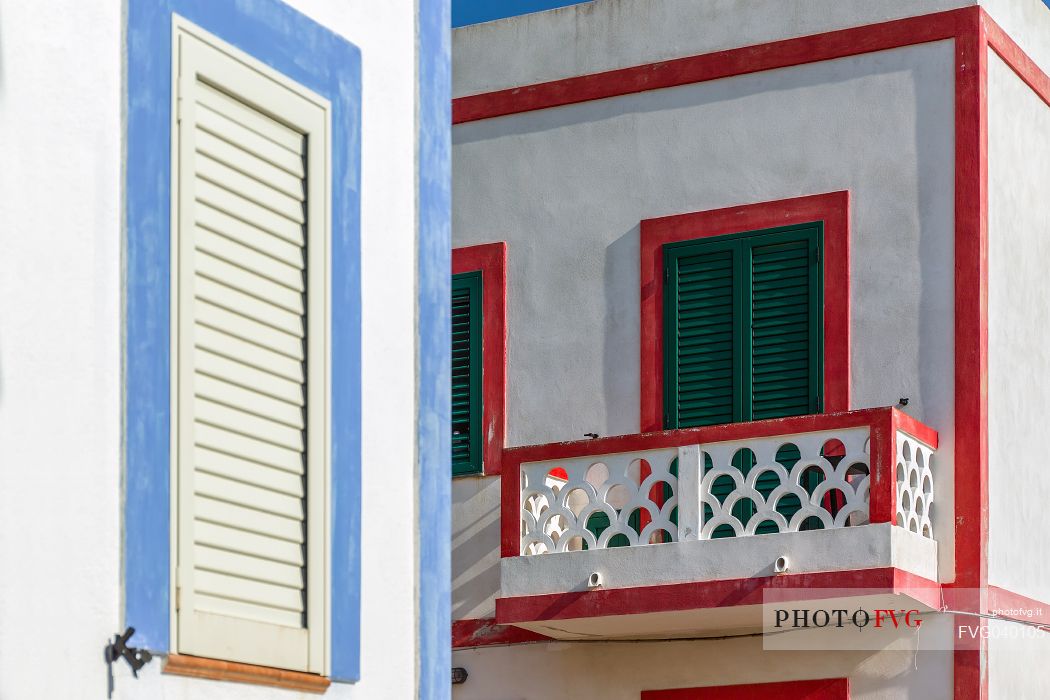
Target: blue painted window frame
<point x="312" y="55"/>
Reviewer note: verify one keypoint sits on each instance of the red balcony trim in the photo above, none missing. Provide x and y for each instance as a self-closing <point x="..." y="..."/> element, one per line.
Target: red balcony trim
<point x="703" y="595"/>
<point x="491" y="259"/>
<point x="882" y="422"/>
<point x="910" y="425"/>
<point x="823" y="689"/>
<point x="831" y="208"/>
<point x="479" y="632"/>
<point x="711" y="66"/>
<point x="882" y="492"/>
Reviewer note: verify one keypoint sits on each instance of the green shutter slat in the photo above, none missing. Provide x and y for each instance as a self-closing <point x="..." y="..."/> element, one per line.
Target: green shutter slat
<point x="780" y="320"/>
<point x="705" y="296"/>
<point x="781" y="366"/>
<point x="466" y="373"/>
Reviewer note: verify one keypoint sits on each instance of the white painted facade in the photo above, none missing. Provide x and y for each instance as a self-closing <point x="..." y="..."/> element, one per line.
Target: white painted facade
<point x="61" y="442"/>
<point x="566" y="188"/>
<point x="1018" y="365"/>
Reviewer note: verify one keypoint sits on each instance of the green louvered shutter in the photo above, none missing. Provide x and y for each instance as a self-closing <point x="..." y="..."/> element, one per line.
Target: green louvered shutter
<point x="743" y="335"/>
<point x="785" y="323"/>
<point x="466" y="373"/>
<point x="701" y="347"/>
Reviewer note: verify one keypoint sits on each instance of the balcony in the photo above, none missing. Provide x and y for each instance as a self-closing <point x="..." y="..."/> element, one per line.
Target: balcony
<point x="677" y="532"/>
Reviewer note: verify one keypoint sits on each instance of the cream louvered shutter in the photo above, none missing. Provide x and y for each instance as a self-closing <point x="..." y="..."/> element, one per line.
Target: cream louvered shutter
<point x="251" y="361"/>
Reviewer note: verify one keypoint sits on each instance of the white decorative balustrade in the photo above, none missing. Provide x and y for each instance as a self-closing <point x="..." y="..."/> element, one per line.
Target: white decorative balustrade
<point x="914" y="485"/>
<point x="697" y="484"/>
<point x="811" y="481"/>
<point x="613" y="494"/>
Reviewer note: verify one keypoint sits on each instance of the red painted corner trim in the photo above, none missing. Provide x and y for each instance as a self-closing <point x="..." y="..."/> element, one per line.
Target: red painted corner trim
<point x="971" y="335"/>
<point x="823" y="689"/>
<point x="700" y="595"/>
<point x="971" y="308"/>
<point x="882" y="494"/>
<point x="479" y="632"/>
<point x="831" y="208"/>
<point x="491" y="259"/>
<point x="711" y="66"/>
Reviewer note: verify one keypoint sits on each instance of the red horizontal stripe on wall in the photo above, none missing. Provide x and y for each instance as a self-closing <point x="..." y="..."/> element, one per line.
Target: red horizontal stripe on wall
<point x="710" y="66"/>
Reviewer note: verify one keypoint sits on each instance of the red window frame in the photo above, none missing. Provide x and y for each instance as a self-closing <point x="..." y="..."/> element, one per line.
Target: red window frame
<point x="823" y="689"/>
<point x="831" y="208"/>
<point x="491" y="260"/>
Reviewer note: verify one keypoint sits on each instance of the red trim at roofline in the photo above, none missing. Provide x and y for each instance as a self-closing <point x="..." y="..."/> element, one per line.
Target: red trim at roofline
<point x="480" y="632"/>
<point x="831" y="208"/>
<point x="824" y="689"/>
<point x="884" y="422"/>
<point x="491" y="259"/>
<point x="702" y="595"/>
<point x="971" y="339"/>
<point x="1021" y="64"/>
<point x="712" y="66"/>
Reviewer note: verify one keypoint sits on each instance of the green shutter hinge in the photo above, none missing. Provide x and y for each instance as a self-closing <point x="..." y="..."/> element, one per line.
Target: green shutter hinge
<point x="667" y="275"/>
<point x="816" y="253"/>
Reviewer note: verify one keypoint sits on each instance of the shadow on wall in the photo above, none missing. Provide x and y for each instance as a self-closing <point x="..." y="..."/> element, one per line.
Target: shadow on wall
<point x="475" y="547"/>
<point x="621" y="348"/>
<point x="936" y="311"/>
<point x="842" y="71"/>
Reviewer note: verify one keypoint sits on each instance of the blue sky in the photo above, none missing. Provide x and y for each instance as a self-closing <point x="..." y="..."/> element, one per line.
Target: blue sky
<point x="474" y="11"/>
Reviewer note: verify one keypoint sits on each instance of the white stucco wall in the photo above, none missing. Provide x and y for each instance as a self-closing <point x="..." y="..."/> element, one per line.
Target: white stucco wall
<point x="60" y="352"/>
<point x="567" y="187"/>
<point x="1017" y="657"/>
<point x="620" y="671"/>
<point x="1018" y="333"/>
<point x="60" y="345"/>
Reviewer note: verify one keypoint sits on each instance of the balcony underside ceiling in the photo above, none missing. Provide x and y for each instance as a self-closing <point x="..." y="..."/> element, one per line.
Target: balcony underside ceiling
<point x="710" y="587"/>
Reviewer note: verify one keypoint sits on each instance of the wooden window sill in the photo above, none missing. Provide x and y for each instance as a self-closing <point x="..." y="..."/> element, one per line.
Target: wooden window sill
<point x="213" y="669"/>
